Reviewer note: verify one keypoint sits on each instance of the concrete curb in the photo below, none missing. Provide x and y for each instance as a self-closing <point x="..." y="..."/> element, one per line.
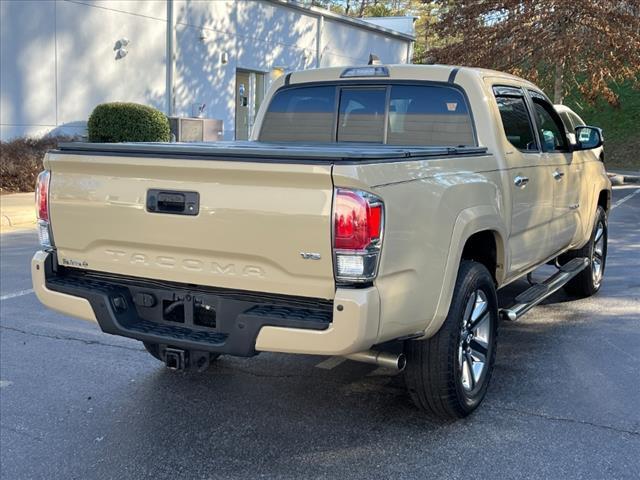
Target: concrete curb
<point x="631" y="179"/>
<point x="17" y="210"/>
<point x="618" y="179"/>
<point x="16" y="219"/>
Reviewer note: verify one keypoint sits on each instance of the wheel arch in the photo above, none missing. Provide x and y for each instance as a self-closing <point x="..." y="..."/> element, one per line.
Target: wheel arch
<point x="604" y="200"/>
<point x="475" y="227"/>
<point x="486" y="247"/>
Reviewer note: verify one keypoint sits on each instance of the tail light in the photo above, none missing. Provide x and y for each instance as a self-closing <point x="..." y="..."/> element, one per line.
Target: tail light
<point x="357" y="235"/>
<point x="42" y="208"/>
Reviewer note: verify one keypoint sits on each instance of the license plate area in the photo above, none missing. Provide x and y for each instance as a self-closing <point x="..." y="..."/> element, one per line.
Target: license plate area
<point x="178" y="308"/>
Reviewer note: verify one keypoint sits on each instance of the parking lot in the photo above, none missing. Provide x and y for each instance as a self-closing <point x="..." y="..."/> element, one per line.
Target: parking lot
<point x="563" y="403"/>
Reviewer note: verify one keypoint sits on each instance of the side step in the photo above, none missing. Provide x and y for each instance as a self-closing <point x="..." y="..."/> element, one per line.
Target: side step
<point x="538" y="292"/>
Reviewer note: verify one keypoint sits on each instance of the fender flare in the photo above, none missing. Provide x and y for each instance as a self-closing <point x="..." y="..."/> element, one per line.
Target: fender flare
<point x="469" y="221"/>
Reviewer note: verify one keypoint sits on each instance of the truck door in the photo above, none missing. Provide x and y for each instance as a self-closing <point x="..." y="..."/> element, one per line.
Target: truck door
<point x="565" y="172"/>
<point x="249" y="95"/>
<point x="530" y="188"/>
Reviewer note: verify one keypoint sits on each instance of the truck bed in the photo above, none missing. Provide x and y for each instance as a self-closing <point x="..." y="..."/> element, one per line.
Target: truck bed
<point x="249" y="216"/>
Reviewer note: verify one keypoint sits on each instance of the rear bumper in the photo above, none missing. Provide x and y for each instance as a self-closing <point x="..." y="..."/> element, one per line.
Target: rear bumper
<point x="216" y="320"/>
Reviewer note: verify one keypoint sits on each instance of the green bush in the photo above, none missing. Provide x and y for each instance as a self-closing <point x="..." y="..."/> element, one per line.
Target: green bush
<point x="127" y="122"/>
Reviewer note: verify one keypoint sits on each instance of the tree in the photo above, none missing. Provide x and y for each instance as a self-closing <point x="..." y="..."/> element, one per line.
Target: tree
<point x="585" y="44"/>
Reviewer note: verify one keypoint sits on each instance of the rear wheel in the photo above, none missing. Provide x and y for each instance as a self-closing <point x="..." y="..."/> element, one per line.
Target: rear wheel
<point x="447" y="375"/>
<point x="588" y="282"/>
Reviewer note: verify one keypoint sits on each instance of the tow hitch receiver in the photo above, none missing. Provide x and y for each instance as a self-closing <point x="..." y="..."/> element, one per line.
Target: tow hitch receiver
<point x="175" y="359"/>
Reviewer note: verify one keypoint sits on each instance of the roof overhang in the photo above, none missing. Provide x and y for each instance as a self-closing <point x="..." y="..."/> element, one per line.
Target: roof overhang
<point x="354" y="22"/>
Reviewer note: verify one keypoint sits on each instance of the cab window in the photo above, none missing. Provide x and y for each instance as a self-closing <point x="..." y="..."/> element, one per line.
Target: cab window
<point x="428" y="115"/>
<point x="393" y="113"/>
<point x="362" y="115"/>
<point x="300" y="115"/>
<point x="516" y="122"/>
<point x="550" y="130"/>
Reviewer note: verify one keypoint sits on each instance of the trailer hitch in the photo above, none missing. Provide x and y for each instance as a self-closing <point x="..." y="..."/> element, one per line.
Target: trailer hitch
<point x="176" y="359"/>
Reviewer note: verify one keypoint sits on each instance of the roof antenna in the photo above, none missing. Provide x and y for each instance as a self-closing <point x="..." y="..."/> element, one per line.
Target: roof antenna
<point x="374" y="60"/>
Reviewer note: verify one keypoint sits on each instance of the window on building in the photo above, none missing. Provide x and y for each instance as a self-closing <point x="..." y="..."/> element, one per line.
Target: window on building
<point x="516" y="122"/>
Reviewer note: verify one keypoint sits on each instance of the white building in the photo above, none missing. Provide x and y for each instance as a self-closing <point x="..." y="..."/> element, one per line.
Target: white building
<point x="59" y="59"/>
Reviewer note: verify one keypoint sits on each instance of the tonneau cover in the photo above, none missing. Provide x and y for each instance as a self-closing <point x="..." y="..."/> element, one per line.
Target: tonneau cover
<point x="250" y="150"/>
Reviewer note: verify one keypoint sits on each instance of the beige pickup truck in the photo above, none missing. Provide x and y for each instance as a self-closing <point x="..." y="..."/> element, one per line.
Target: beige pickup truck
<point x="373" y="215"/>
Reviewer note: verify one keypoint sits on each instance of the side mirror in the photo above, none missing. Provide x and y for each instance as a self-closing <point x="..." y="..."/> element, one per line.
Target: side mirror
<point x="588" y="138"/>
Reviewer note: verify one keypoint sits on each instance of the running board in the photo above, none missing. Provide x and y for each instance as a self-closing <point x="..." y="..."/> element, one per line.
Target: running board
<point x="538" y="292"/>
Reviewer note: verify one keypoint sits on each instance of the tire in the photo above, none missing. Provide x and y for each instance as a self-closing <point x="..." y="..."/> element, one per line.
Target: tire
<point x="437" y="375"/>
<point x="154" y="351"/>
<point x="589" y="281"/>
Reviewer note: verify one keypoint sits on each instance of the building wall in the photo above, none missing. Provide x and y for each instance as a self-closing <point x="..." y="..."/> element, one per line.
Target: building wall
<point x="58" y="62"/>
<point x="58" y="59"/>
<point x="343" y="45"/>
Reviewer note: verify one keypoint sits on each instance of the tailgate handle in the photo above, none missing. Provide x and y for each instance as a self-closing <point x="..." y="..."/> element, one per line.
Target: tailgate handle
<point x="170" y="201"/>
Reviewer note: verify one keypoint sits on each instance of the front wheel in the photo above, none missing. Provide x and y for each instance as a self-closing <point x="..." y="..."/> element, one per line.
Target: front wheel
<point x="447" y="375"/>
<point x="588" y="282"/>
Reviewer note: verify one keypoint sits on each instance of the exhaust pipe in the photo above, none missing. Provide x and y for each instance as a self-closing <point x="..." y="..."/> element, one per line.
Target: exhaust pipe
<point x="396" y="361"/>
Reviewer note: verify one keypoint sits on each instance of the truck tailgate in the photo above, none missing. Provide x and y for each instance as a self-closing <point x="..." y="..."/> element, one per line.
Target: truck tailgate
<point x="254" y="221"/>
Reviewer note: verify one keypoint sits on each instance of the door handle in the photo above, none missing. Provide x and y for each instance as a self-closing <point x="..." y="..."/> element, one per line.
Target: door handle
<point x="558" y="175"/>
<point x="520" y="181"/>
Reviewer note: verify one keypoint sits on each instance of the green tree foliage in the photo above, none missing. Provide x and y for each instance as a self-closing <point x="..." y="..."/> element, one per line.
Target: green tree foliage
<point x="127" y="122"/>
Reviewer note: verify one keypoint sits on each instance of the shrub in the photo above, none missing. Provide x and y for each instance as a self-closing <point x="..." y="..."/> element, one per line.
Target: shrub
<point x="21" y="161"/>
<point x="127" y="122"/>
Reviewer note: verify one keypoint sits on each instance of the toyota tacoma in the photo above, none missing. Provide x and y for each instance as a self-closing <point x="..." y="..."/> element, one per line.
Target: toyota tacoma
<point x="373" y="215"/>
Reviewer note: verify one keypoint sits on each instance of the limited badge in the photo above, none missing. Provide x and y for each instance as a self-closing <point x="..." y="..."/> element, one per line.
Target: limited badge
<point x="310" y="255"/>
<point x="452" y="107"/>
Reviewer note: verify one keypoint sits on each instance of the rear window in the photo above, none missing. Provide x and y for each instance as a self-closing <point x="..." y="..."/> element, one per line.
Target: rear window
<point x="300" y="115"/>
<point x="362" y="115"/>
<point x="428" y="115"/>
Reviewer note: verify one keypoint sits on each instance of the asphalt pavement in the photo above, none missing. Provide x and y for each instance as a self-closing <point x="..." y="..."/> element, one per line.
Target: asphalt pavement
<point x="564" y="400"/>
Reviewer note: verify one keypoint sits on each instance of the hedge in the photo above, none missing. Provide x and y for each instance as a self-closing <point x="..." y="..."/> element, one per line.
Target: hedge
<point x="127" y="122"/>
<point x="21" y="161"/>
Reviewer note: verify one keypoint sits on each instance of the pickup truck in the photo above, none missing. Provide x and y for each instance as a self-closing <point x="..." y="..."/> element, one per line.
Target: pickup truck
<point x="373" y="215"/>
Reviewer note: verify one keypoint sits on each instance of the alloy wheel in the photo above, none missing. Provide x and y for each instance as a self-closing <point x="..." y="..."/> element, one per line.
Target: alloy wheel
<point x="597" y="256"/>
<point x="475" y="341"/>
